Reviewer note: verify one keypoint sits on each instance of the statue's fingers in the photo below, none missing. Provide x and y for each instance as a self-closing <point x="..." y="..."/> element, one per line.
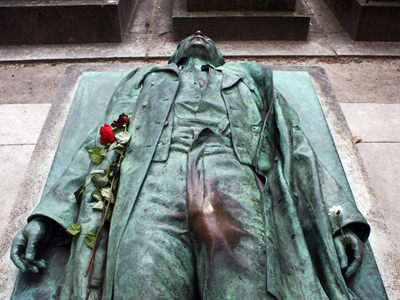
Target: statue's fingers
<point x="16" y="259"/>
<point x="30" y="266"/>
<point x="31" y="248"/>
<point x="341" y="252"/>
<point x="41" y="263"/>
<point x="17" y="250"/>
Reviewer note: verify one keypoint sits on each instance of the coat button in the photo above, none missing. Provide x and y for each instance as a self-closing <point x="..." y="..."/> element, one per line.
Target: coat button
<point x="137" y="127"/>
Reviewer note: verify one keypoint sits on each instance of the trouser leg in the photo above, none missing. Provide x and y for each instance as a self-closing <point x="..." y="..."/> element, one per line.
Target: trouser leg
<point x="227" y="224"/>
<point x="155" y="257"/>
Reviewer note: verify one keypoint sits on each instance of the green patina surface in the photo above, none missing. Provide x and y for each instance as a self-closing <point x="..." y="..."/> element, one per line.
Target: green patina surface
<point x="230" y="188"/>
<point x="96" y="88"/>
<point x="289" y="235"/>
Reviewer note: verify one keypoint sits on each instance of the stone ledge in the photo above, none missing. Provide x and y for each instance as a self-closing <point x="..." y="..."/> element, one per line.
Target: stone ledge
<point x="373" y="21"/>
<point x="240" y="5"/>
<point x="252" y="25"/>
<point x="64" y="21"/>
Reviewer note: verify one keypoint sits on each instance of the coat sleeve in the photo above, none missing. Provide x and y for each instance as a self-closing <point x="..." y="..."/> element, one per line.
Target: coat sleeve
<point x="59" y="203"/>
<point x="310" y="180"/>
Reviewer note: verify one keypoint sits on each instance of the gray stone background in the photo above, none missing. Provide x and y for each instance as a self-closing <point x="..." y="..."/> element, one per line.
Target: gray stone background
<point x="365" y="77"/>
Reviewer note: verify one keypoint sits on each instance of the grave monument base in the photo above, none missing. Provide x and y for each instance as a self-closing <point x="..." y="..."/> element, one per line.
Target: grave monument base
<point x="64" y="21"/>
<point x="372" y="21"/>
<point x="246" y="25"/>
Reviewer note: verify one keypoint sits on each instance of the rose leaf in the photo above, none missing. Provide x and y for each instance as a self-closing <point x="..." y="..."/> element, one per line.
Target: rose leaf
<point x="96" y="195"/>
<point x="97" y="154"/>
<point x="74" y="229"/>
<point x="123" y="137"/>
<point x="99" y="205"/>
<point x="90" y="238"/>
<point x="106" y="192"/>
<point x="100" y="180"/>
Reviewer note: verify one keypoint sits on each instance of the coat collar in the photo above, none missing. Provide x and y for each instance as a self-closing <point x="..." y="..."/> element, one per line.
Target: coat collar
<point x="143" y="72"/>
<point x="230" y="77"/>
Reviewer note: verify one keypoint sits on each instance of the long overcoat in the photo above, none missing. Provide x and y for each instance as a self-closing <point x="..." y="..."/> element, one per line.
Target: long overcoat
<point x="300" y="253"/>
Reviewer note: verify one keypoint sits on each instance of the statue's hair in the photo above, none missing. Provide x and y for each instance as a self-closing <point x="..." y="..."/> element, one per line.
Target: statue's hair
<point x="217" y="55"/>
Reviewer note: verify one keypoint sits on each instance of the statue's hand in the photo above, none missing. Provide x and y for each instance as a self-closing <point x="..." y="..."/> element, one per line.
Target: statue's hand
<point x="350" y="250"/>
<point x="26" y="243"/>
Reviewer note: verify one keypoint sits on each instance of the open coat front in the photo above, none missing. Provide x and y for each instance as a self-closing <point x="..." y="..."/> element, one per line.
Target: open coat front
<point x="300" y="254"/>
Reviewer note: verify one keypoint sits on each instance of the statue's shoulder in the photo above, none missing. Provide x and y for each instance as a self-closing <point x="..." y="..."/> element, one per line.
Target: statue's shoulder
<point x="258" y="72"/>
<point x="135" y="78"/>
<point x="133" y="81"/>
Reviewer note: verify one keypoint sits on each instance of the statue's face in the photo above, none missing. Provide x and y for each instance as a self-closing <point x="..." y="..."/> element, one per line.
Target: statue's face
<point x="198" y="46"/>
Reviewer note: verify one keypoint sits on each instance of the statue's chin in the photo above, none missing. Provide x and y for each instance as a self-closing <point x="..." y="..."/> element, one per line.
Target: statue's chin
<point x="199" y="51"/>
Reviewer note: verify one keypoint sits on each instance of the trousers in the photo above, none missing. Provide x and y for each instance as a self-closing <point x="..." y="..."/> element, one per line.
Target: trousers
<point x="197" y="229"/>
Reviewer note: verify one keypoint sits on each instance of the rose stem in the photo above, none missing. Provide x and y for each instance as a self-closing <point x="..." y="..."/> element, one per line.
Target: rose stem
<point x="89" y="268"/>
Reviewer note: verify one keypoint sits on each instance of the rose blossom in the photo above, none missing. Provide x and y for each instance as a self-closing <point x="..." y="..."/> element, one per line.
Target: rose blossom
<point x="123" y="119"/>
<point x="107" y="136"/>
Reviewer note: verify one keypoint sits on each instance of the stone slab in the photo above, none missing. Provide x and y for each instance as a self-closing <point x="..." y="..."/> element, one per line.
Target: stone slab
<point x="372" y="21"/>
<point x="29" y="83"/>
<point x="21" y="123"/>
<point x="14" y="160"/>
<point x="374" y="123"/>
<point x="240" y="5"/>
<point x="225" y="25"/>
<point x="345" y="46"/>
<point x="382" y="161"/>
<point x="44" y="153"/>
<point x="64" y="21"/>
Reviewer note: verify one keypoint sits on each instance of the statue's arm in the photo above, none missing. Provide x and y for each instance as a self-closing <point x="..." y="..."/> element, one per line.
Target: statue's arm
<point x="349" y="228"/>
<point x="58" y="208"/>
<point x="319" y="188"/>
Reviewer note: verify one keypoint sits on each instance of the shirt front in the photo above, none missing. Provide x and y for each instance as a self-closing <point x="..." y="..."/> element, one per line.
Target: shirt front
<point x="199" y="105"/>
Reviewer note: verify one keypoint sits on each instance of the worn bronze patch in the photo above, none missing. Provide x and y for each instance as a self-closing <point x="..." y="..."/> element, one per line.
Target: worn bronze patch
<point x="209" y="219"/>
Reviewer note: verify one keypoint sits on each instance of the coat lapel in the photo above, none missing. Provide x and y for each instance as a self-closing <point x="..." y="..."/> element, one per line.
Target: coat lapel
<point x="244" y="116"/>
<point x="151" y="113"/>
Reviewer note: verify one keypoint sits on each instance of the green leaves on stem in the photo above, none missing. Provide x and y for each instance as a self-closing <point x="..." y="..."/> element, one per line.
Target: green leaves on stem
<point x="90" y="238"/>
<point x="100" y="180"/>
<point x="97" y="154"/>
<point x="96" y="195"/>
<point x="99" y="205"/>
<point x="115" y="137"/>
<point x="74" y="230"/>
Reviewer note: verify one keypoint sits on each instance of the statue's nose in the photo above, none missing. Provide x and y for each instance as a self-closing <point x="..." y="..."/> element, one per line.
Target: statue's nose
<point x="198" y="32"/>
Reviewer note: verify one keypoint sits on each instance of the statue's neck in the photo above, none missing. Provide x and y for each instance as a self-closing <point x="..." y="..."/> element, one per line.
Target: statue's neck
<point x="197" y="63"/>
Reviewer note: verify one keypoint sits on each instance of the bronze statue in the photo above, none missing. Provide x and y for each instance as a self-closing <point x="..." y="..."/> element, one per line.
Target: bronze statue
<point x="220" y="196"/>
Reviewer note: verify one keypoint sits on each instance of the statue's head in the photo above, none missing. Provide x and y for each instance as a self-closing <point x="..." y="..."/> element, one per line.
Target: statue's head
<point x="198" y="46"/>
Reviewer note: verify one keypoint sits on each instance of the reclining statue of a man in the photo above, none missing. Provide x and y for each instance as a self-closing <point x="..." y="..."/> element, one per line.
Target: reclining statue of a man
<point x="220" y="195"/>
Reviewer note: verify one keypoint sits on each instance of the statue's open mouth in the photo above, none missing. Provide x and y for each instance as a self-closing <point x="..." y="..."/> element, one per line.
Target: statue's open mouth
<point x="199" y="38"/>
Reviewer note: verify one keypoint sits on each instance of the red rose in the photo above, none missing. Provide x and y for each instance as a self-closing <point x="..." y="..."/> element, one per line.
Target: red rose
<point x="123" y="119"/>
<point x="107" y="136"/>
